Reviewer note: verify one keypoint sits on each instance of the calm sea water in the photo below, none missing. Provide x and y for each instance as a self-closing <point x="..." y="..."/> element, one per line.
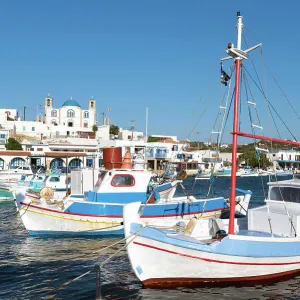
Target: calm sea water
<point x="35" y="268"/>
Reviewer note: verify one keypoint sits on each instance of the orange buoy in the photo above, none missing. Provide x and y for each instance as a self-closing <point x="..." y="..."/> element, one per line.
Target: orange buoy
<point x="127" y="164"/>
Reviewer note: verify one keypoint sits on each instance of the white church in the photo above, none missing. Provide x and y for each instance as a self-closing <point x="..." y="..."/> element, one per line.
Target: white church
<point x="71" y="114"/>
<point x="70" y="120"/>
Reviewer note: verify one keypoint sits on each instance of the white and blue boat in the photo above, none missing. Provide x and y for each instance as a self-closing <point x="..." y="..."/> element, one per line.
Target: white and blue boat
<point x="267" y="247"/>
<point x="100" y="211"/>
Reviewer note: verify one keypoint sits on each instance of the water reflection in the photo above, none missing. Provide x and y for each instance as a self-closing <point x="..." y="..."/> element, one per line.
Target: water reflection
<point x="35" y="268"/>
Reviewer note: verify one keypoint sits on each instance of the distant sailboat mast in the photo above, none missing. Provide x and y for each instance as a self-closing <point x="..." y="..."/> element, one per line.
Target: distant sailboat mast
<point x="146" y="165"/>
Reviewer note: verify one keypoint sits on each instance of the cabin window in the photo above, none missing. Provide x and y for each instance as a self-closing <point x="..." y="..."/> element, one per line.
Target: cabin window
<point x="54" y="179"/>
<point x="288" y="194"/>
<point x="123" y="180"/>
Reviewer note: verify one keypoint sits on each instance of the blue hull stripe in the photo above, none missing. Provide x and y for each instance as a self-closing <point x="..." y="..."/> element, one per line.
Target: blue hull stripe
<point x="73" y="233"/>
<point x="121" y="198"/>
<point x="151" y="210"/>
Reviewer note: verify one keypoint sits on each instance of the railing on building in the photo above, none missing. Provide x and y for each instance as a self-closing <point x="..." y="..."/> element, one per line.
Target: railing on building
<point x="211" y="159"/>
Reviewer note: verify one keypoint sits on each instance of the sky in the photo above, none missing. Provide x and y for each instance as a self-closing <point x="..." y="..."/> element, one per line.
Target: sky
<point x="133" y="54"/>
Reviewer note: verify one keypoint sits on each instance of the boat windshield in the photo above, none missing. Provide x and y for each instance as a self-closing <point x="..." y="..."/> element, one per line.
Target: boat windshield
<point x="288" y="194"/>
<point x="100" y="178"/>
<point x="23" y="177"/>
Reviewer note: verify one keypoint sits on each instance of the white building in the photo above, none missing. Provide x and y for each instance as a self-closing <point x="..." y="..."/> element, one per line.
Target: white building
<point x="68" y="121"/>
<point x="70" y="115"/>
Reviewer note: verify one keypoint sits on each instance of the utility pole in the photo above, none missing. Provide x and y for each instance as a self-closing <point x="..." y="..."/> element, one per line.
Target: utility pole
<point x="103" y="118"/>
<point x="198" y="133"/>
<point x="132" y="128"/>
<point x="25" y="112"/>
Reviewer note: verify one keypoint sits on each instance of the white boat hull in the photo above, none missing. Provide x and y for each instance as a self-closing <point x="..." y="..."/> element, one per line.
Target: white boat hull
<point x="178" y="266"/>
<point x="45" y="221"/>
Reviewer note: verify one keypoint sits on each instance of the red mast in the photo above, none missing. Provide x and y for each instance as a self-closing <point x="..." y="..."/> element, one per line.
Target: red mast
<point x="234" y="144"/>
<point x="238" y="54"/>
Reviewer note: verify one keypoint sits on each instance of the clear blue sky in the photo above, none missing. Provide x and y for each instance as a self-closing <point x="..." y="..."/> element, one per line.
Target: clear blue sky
<point x="134" y="54"/>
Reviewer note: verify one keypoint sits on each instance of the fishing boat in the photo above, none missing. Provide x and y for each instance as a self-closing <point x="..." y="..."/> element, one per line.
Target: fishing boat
<point x="13" y="175"/>
<point x="249" y="172"/>
<point x="180" y="255"/>
<point x="100" y="211"/>
<point x="60" y="183"/>
<point x="7" y="189"/>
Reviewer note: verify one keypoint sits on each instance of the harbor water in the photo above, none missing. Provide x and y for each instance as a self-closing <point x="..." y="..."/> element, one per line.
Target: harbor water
<point x="40" y="268"/>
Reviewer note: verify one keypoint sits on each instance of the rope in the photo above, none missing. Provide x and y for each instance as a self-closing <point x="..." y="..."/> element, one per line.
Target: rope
<point x="269" y="103"/>
<point x="8" y="210"/>
<point x="97" y="265"/>
<point x="4" y="218"/>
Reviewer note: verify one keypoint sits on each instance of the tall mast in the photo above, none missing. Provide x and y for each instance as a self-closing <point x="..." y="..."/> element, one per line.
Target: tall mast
<point x="235" y="125"/>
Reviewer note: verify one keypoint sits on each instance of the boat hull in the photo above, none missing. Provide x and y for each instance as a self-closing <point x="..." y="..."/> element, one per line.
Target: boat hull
<point x="168" y="257"/>
<point x="104" y="218"/>
<point x="44" y="221"/>
<point x="198" y="267"/>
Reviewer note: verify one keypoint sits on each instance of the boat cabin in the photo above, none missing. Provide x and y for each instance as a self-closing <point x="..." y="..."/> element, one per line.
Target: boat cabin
<point x="281" y="213"/>
<point x="120" y="186"/>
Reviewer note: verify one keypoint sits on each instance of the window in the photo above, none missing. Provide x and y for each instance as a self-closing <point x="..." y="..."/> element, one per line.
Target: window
<point x="86" y="114"/>
<point x="122" y="180"/>
<point x="48" y="102"/>
<point x="92" y="104"/>
<point x="33" y="129"/>
<point x="101" y="178"/>
<point x="54" y="179"/>
<point x="288" y="194"/>
<point x="70" y="124"/>
<point x="54" y="113"/>
<point x="70" y="113"/>
<point x="54" y="122"/>
<point x="2" y="136"/>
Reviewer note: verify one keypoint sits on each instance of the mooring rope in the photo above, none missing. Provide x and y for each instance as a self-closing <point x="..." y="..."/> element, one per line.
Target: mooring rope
<point x="101" y="264"/>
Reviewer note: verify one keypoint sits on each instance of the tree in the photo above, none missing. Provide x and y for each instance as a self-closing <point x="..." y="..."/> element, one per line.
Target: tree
<point x="95" y="128"/>
<point x="13" y="144"/>
<point x="251" y="159"/>
<point x="152" y="139"/>
<point x="113" y="129"/>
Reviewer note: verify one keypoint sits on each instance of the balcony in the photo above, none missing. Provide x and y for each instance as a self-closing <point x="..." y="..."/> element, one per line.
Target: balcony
<point x="211" y="159"/>
<point x="161" y="154"/>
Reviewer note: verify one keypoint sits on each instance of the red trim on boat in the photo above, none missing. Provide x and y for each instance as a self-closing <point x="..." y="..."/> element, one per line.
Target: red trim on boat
<point x="236" y="281"/>
<point x="215" y="260"/>
<point x="102" y="216"/>
<point x="68" y="213"/>
<point x="31" y="196"/>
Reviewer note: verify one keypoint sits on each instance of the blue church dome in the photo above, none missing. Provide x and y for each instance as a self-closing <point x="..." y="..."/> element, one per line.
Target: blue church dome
<point x="71" y="103"/>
